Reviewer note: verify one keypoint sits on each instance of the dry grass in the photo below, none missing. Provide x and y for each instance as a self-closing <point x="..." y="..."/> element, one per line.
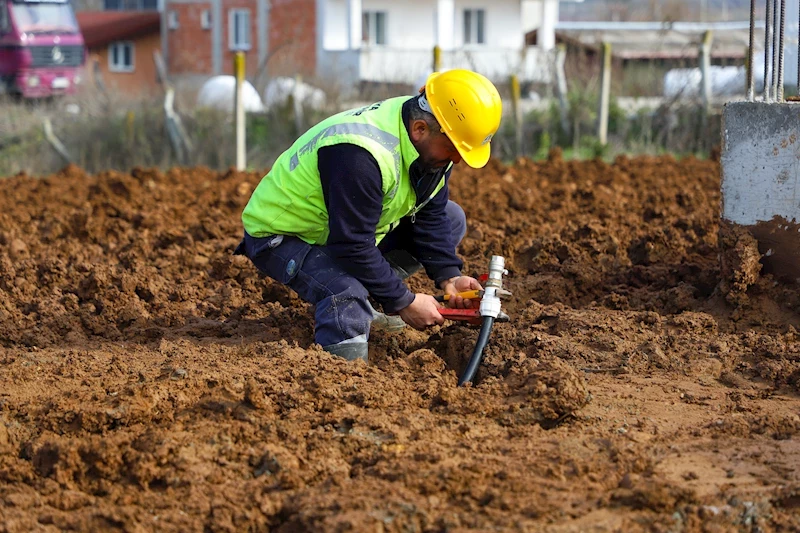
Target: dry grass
<point x="104" y="130"/>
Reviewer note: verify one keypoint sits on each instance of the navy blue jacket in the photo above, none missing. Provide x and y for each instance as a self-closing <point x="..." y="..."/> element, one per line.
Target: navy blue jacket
<point x="351" y="186"/>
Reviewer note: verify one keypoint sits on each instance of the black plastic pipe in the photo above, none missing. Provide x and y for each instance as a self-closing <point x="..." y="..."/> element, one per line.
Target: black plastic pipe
<point x="477" y="354"/>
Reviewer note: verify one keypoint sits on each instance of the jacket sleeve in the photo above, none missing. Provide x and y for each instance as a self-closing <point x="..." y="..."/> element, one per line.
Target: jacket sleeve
<point x="352" y="189"/>
<point x="433" y="247"/>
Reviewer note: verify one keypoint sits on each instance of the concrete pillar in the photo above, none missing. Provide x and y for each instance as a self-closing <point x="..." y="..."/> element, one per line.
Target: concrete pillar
<point x="445" y="24"/>
<point x="547" y="31"/>
<point x="760" y="179"/>
<point x="354" y="14"/>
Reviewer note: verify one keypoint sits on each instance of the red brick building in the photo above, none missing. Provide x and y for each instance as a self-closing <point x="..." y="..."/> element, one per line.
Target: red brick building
<point x="120" y="49"/>
<point x="201" y="36"/>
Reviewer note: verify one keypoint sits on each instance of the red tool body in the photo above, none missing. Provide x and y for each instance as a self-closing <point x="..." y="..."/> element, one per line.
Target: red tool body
<point x="485" y="314"/>
<point x="473" y="315"/>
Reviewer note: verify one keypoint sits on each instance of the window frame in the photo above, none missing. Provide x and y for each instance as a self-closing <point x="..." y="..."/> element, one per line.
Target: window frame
<point x="232" y="16"/>
<point x="474" y="26"/>
<point x="369" y="27"/>
<point x="123" y="69"/>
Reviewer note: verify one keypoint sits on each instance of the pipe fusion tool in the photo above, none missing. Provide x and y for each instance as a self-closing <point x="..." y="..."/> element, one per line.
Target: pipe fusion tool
<point x="485" y="315"/>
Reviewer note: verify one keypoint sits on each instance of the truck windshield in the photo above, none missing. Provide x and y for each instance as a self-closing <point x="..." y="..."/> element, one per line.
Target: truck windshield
<point x="43" y="18"/>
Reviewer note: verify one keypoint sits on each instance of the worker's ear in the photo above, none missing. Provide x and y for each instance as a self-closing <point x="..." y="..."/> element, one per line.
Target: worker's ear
<point x="419" y="129"/>
<point x="422" y="89"/>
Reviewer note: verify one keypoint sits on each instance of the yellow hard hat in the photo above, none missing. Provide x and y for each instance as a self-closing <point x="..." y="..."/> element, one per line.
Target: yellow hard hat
<point x="468" y="108"/>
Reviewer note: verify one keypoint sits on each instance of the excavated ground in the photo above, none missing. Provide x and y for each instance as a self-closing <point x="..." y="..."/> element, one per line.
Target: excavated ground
<point x="149" y="380"/>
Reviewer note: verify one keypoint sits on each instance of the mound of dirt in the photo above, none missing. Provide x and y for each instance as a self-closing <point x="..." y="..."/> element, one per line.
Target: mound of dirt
<point x="153" y="381"/>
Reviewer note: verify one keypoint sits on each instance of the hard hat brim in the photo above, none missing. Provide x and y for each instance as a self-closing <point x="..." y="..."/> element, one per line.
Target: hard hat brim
<point x="478" y="157"/>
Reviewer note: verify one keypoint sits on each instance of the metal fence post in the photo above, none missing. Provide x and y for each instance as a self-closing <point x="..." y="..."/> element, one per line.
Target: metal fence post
<point x="516" y="94"/>
<point x="561" y="86"/>
<point x="750" y="77"/>
<point x="238" y="106"/>
<point x="605" y="95"/>
<point x="705" y="71"/>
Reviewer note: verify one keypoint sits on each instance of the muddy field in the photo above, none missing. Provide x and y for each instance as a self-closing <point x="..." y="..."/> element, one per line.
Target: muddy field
<point x="150" y="381"/>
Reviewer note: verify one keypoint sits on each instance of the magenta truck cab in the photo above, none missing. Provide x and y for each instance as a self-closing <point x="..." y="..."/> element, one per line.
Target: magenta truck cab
<point x="41" y="48"/>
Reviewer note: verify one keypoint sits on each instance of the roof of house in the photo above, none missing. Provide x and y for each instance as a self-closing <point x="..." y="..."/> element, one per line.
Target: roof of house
<point x="639" y="40"/>
<point x="667" y="44"/>
<point x="102" y="27"/>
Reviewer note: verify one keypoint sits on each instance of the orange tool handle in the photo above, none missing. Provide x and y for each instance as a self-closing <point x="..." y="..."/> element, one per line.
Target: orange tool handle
<point x="475" y="294"/>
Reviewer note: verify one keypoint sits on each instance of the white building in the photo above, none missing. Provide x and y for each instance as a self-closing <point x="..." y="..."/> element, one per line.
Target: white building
<point x="392" y="41"/>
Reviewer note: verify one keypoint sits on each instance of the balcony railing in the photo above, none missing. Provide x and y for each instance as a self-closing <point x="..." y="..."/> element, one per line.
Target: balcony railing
<point x="394" y="65"/>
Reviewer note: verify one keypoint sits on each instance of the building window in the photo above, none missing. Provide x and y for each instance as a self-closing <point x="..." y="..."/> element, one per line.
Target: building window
<point x="172" y="20"/>
<point x="205" y="19"/>
<point x="4" y="25"/>
<point x="120" y="56"/>
<point x="239" y="29"/>
<point x="373" y="27"/>
<point x="474" y="29"/>
<point x="130" y="5"/>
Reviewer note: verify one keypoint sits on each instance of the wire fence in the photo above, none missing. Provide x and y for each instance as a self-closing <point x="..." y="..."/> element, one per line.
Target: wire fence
<point x="654" y="105"/>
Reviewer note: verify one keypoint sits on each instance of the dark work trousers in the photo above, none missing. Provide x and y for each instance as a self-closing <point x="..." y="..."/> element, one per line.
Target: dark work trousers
<point x="343" y="313"/>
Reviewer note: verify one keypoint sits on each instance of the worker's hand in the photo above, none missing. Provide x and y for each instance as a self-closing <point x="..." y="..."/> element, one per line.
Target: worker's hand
<point x="460" y="284"/>
<point x="422" y="313"/>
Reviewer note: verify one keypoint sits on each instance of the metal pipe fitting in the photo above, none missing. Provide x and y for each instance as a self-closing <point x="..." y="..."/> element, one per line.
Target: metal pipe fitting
<point x="490" y="303"/>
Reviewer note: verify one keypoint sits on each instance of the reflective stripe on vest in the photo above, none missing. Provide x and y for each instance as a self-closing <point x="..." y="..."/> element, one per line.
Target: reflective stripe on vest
<point x="289" y="199"/>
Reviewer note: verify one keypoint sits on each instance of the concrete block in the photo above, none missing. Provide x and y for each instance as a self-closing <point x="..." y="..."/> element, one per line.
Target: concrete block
<point x="760" y="165"/>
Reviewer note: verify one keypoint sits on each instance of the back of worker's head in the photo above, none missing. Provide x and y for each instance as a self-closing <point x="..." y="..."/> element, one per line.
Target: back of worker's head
<point x="468" y="108"/>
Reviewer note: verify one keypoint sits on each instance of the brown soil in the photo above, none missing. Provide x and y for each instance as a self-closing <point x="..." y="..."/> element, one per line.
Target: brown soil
<point x="150" y="381"/>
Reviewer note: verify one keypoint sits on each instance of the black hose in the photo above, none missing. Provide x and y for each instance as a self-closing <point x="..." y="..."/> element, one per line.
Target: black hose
<point x="477" y="355"/>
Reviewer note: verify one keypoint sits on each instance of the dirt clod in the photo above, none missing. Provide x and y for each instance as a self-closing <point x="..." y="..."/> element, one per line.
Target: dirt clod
<point x="153" y="381"/>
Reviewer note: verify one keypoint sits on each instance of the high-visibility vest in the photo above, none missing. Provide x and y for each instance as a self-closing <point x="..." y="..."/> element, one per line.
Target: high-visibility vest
<point x="289" y="199"/>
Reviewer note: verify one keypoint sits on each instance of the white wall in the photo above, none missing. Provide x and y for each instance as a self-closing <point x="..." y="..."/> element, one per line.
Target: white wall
<point x="413" y="66"/>
<point x="503" y="22"/>
<point x="531" y="15"/>
<point x="541" y="15"/>
<point x="411" y="24"/>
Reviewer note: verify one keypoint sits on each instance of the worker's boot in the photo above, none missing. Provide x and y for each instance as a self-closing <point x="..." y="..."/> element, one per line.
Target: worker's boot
<point x="384" y="322"/>
<point x="349" y="350"/>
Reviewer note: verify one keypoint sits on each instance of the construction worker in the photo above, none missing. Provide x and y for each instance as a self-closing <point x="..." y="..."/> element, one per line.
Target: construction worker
<point x="360" y="202"/>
